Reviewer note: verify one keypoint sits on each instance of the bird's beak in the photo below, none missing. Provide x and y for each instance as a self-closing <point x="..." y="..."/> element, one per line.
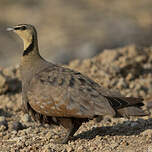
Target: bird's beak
<point x="9" y="29"/>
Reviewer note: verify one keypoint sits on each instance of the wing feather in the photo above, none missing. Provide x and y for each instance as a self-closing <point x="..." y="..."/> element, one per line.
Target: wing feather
<point x="62" y="92"/>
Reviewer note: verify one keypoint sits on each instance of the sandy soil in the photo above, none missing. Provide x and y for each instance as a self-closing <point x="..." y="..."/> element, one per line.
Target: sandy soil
<point x="127" y="69"/>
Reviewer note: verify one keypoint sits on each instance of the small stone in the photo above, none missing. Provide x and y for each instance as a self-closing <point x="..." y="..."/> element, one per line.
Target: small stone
<point x="132" y="85"/>
<point x="74" y="63"/>
<point x="140" y="58"/>
<point x="92" y="148"/>
<point x="7" y="136"/>
<point x="147" y="132"/>
<point x="48" y="149"/>
<point x="26" y="118"/>
<point x="80" y="148"/>
<point x="3" y="86"/>
<point x="3" y="122"/>
<point x="2" y="128"/>
<point x="17" y="126"/>
<point x="14" y="132"/>
<point x="114" y="145"/>
<point x="69" y="149"/>
<point x="2" y="80"/>
<point x="2" y="119"/>
<point x="48" y="135"/>
<point x="121" y="84"/>
<point x="129" y="77"/>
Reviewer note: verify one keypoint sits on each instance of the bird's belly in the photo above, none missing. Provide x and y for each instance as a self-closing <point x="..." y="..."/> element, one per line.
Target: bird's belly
<point x="49" y="109"/>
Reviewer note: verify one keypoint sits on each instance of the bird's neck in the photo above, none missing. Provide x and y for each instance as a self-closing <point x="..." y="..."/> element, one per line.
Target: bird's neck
<point x="30" y="46"/>
<point x="31" y="59"/>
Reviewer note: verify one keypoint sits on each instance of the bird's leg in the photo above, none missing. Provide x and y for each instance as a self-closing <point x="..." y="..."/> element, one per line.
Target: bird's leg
<point x="70" y="126"/>
<point x="70" y="133"/>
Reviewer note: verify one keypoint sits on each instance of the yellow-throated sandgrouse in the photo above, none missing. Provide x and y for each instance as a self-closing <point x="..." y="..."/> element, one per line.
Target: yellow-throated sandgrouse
<point x="57" y="95"/>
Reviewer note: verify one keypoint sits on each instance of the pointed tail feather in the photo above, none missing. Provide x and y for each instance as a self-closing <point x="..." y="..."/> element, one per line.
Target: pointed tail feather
<point x="122" y="102"/>
<point x="131" y="111"/>
<point x="138" y="102"/>
<point x="127" y="106"/>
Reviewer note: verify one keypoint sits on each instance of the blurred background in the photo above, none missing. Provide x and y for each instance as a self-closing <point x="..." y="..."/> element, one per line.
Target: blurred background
<point x="75" y="29"/>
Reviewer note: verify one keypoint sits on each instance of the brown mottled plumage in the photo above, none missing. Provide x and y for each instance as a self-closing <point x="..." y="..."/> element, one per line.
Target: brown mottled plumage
<point x="57" y="95"/>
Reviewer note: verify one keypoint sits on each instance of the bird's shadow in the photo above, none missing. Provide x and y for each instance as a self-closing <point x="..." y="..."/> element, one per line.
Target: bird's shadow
<point x="127" y="128"/>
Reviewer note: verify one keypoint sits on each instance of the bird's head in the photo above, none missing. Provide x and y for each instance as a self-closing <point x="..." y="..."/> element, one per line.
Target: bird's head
<point x="26" y="32"/>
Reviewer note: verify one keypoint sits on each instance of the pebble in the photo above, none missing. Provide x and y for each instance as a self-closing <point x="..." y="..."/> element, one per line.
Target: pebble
<point x="26" y="118"/>
<point x="121" y="84"/>
<point x="2" y="128"/>
<point x="3" y="86"/>
<point x="147" y="132"/>
<point x="17" y="126"/>
<point x="48" y="149"/>
<point x="48" y="135"/>
<point x="3" y="123"/>
<point x="69" y="149"/>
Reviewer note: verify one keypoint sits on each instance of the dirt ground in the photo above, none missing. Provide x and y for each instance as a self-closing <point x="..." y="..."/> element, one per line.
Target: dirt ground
<point x="127" y="69"/>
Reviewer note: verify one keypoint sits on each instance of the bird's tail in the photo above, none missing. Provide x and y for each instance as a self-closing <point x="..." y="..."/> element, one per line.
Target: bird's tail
<point x="127" y="106"/>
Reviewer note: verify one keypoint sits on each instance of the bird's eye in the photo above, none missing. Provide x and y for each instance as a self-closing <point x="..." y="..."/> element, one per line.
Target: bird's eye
<point x="23" y="28"/>
<point x="20" y="28"/>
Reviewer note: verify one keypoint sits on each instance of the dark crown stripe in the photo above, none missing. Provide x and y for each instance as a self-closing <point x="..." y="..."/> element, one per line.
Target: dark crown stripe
<point x="29" y="48"/>
<point x="21" y="27"/>
<point x="17" y="28"/>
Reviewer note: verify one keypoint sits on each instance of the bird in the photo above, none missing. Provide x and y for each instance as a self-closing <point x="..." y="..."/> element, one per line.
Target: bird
<point x="58" y="95"/>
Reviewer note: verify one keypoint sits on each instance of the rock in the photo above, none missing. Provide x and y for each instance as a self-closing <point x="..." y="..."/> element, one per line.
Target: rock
<point x="48" y="135"/>
<point x="17" y="126"/>
<point x="80" y="148"/>
<point x="2" y="80"/>
<point x="147" y="132"/>
<point x="121" y="83"/>
<point x="114" y="145"/>
<point x="109" y="57"/>
<point x="48" y="149"/>
<point x="3" y="123"/>
<point x="2" y="128"/>
<point x="129" y="77"/>
<point x="69" y="149"/>
<point x="140" y="58"/>
<point x="26" y="118"/>
<point x="3" y="85"/>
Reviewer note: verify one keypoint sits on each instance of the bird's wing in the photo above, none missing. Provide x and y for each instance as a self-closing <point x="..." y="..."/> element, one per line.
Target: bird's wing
<point x="62" y="92"/>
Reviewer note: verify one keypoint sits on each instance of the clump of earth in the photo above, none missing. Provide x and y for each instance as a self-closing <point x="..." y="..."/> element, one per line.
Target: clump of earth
<point x="127" y="70"/>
